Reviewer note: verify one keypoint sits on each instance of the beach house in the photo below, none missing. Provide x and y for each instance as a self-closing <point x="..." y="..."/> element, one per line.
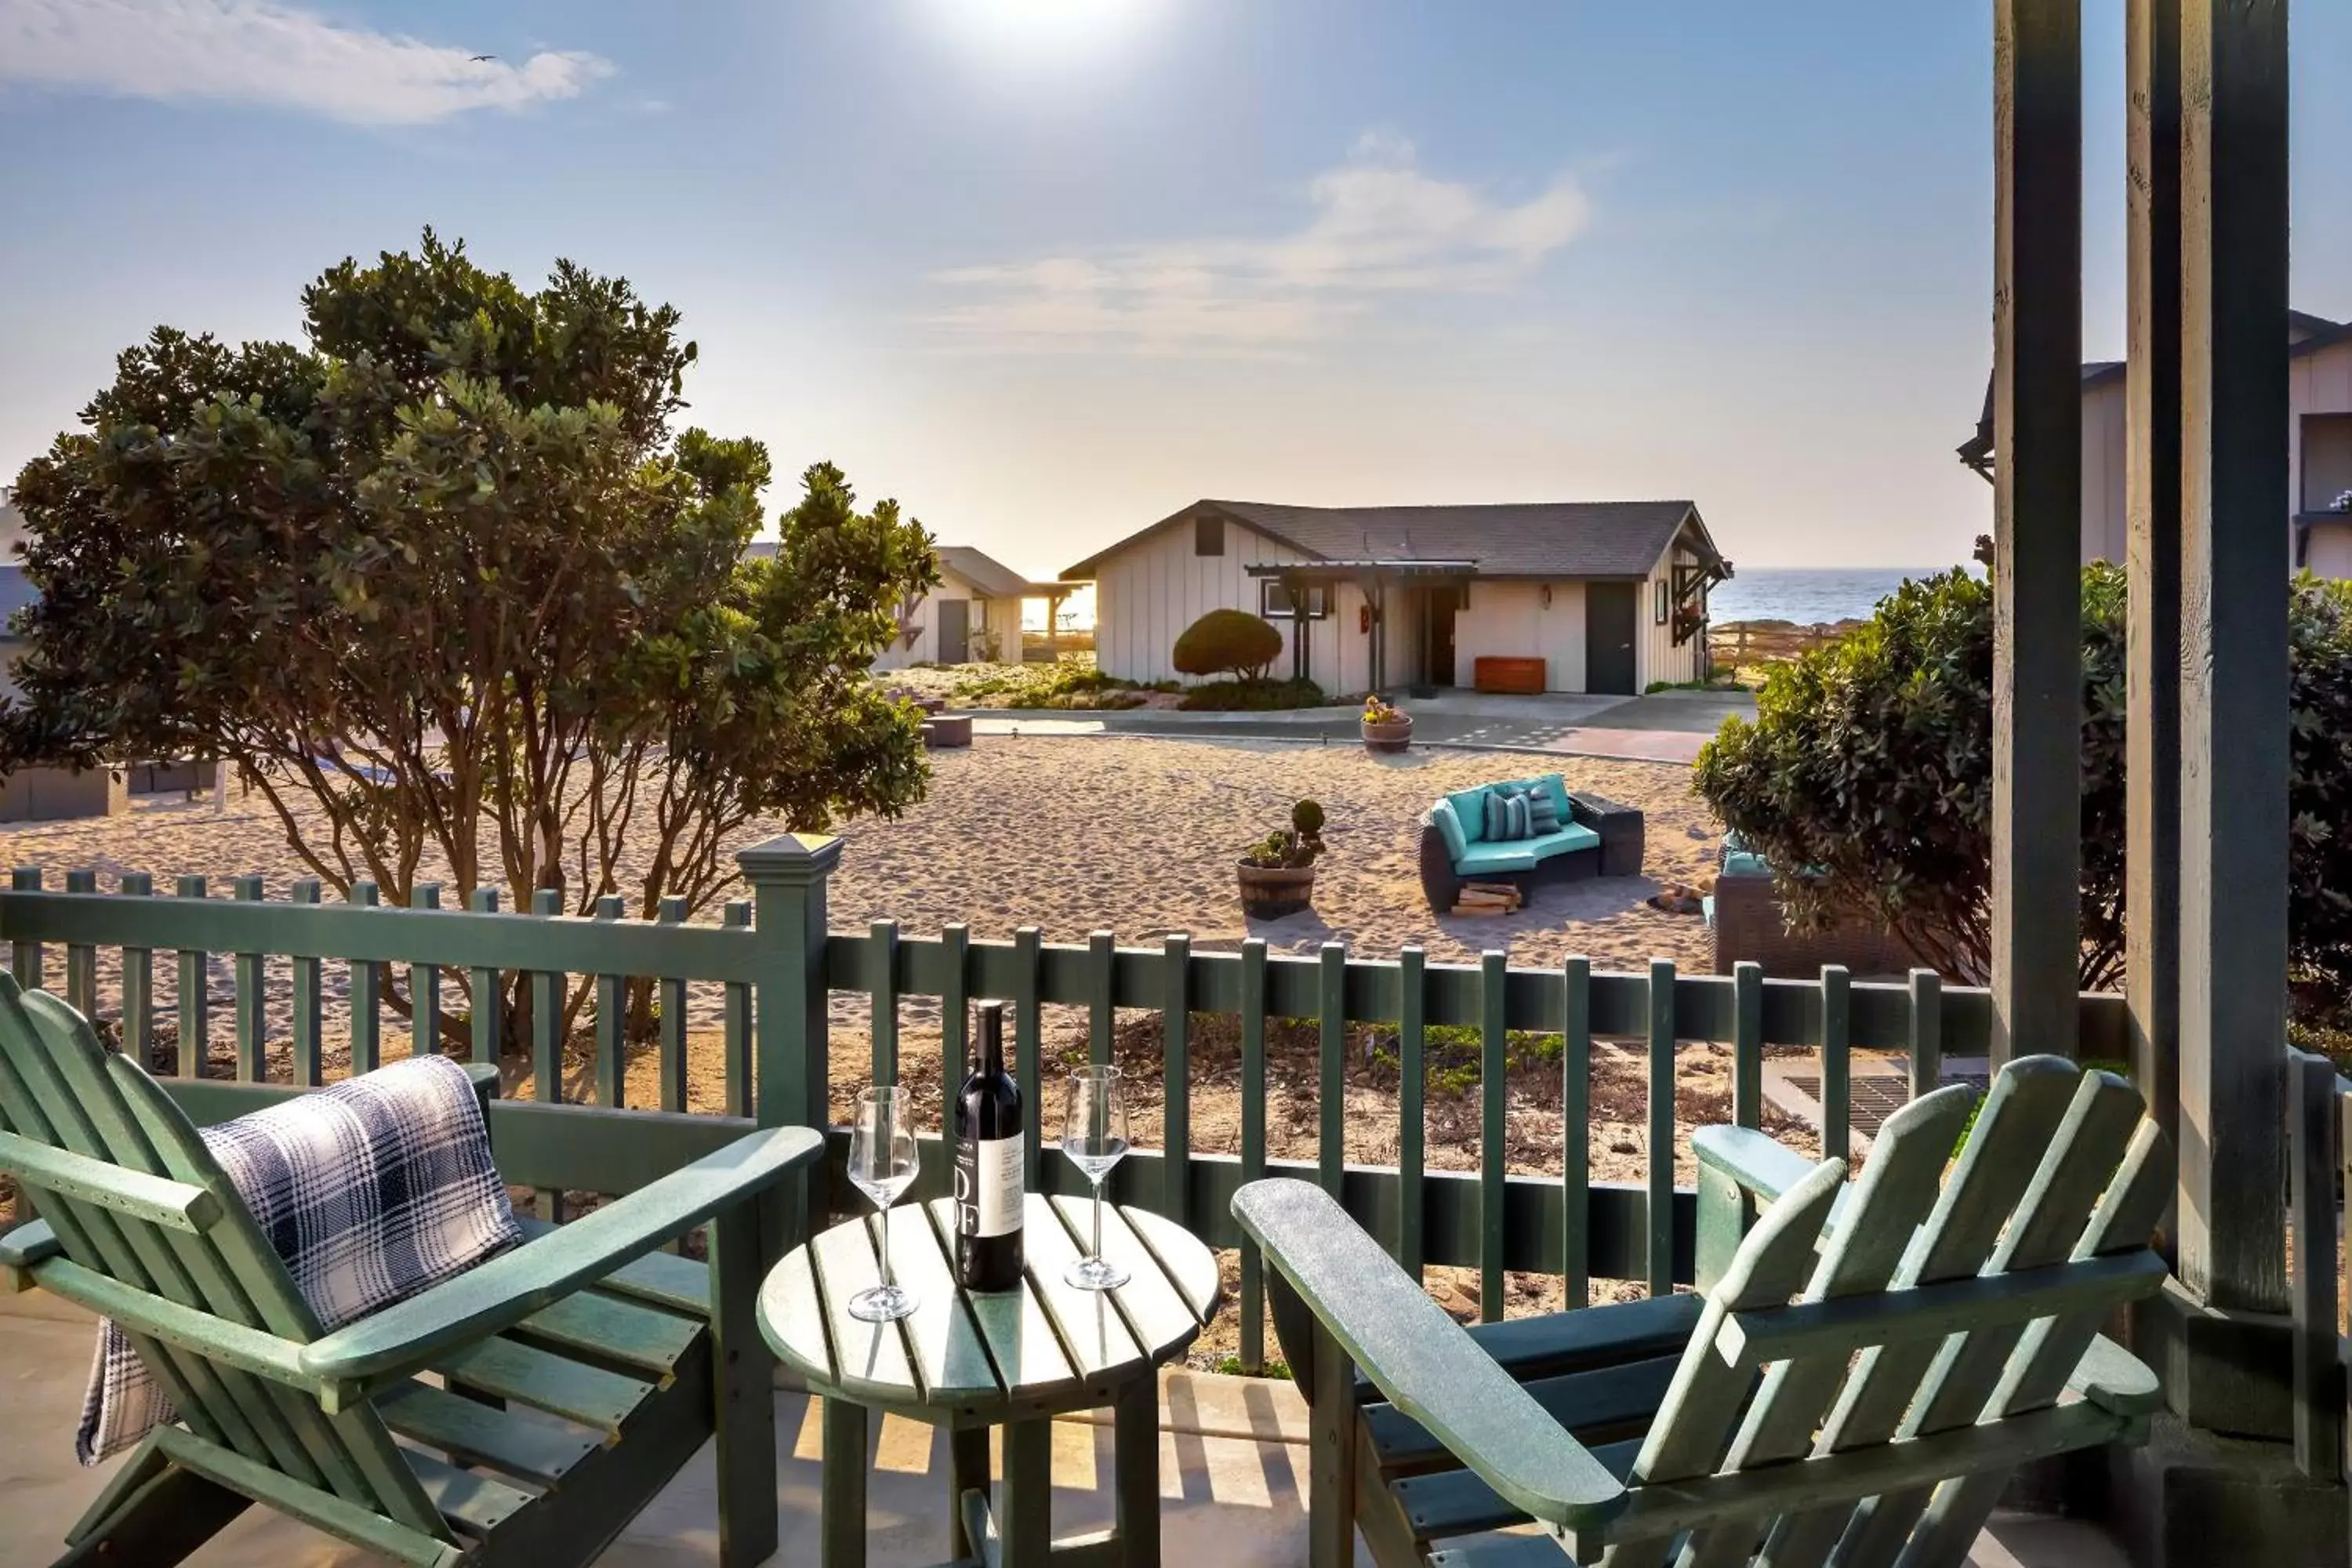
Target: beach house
<point x="1580" y="597"/>
<point x="2318" y="449"/>
<point x="973" y="615"/>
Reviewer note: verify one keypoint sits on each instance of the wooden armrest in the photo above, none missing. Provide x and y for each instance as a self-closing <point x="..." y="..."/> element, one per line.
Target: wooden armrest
<point x="2114" y="1379"/>
<point x="189" y="1327"/>
<point x="1420" y="1359"/>
<point x="22" y="1248"/>
<point x="1755" y="1159"/>
<point x="176" y="1205"/>
<point x="512" y="1286"/>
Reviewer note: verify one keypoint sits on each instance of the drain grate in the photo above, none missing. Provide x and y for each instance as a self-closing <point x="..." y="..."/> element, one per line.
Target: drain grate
<point x="1875" y="1096"/>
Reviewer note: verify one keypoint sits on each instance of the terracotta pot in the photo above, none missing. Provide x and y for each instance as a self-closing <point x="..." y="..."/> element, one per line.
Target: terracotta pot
<point x="1393" y="737"/>
<point x="1268" y="893"/>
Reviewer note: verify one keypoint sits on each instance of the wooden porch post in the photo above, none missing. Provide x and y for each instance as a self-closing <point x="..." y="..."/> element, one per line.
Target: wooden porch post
<point x="2152" y="501"/>
<point x="2233" y="725"/>
<point x="2037" y="503"/>
<point x="791" y="1005"/>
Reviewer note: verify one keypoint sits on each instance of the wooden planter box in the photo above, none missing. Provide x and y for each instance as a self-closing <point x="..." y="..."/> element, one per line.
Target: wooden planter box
<point x="1393" y="737"/>
<point x="1520" y="676"/>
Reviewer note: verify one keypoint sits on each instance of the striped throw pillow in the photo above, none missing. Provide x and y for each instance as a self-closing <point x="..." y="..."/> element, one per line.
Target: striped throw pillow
<point x="1543" y="812"/>
<point x="1507" y="815"/>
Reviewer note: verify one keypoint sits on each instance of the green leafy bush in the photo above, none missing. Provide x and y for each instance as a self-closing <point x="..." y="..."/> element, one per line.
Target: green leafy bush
<point x="1228" y="642"/>
<point x="1065" y="683"/>
<point x="1292" y="849"/>
<point x="1251" y="695"/>
<point x="1869" y="763"/>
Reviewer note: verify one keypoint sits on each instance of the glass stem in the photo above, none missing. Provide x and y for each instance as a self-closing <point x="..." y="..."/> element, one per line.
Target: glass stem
<point x="1099" y="1181"/>
<point x="889" y="1280"/>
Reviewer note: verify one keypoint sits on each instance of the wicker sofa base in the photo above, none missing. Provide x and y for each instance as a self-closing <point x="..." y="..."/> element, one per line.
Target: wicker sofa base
<point x="1619" y="853"/>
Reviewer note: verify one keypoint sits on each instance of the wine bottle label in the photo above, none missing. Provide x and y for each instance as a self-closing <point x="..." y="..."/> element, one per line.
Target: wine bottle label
<point x="988" y="1186"/>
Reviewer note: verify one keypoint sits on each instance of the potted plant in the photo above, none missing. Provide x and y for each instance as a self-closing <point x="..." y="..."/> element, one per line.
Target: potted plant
<point x="1277" y="874"/>
<point x="1386" y="726"/>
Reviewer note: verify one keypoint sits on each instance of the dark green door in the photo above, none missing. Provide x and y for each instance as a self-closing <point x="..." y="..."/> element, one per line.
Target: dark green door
<point x="1609" y="636"/>
<point x="955" y="631"/>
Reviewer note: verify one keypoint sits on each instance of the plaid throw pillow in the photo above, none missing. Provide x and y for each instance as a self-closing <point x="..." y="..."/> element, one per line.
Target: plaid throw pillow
<point x="1507" y="815"/>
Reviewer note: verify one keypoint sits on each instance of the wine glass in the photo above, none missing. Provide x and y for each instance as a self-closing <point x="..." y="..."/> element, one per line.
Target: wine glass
<point x="1094" y="1135"/>
<point x="882" y="1165"/>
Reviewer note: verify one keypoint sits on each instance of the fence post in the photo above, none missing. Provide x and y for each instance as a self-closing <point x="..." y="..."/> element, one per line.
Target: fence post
<point x="791" y="1009"/>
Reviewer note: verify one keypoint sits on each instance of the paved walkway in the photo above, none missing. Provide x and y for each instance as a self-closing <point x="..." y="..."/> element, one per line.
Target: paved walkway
<point x="1667" y="727"/>
<point x="1233" y="1479"/>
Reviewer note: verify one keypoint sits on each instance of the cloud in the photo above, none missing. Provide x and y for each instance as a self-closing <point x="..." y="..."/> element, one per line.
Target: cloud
<point x="255" y="52"/>
<point x="1379" y="227"/>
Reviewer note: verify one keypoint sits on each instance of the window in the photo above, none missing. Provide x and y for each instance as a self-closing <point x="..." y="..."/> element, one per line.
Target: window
<point x="1208" y="536"/>
<point x="1663" y="608"/>
<point x="1274" y="601"/>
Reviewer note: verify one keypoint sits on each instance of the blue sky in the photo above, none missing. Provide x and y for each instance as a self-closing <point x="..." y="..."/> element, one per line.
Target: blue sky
<point x="1048" y="269"/>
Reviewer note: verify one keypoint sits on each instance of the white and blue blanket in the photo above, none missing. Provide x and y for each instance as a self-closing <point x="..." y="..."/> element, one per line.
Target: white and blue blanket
<point x="371" y="1190"/>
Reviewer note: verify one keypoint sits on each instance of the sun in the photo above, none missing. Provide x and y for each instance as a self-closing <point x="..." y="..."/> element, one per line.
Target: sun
<point x="1045" y="29"/>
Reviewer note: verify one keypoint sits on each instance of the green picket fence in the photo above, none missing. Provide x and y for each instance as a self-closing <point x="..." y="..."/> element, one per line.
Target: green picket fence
<point x="779" y="965"/>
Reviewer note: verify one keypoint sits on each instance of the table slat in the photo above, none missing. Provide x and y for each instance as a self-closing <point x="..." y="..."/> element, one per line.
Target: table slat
<point x="1189" y="1266"/>
<point x="1159" y="1317"/>
<point x="870" y="1359"/>
<point x="1020" y="1337"/>
<point x="1088" y="1320"/>
<point x="794" y="1316"/>
<point x="947" y="1345"/>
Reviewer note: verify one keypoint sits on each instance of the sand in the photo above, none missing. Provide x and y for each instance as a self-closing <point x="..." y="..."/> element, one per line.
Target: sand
<point x="1136" y="837"/>
<point x="1073" y="834"/>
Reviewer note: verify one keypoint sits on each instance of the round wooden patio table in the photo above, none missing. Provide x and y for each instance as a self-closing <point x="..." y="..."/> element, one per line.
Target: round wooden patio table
<point x="969" y="1360"/>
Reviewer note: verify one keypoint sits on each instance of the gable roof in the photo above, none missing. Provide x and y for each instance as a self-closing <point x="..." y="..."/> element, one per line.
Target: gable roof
<point x="1535" y="538"/>
<point x="990" y="576"/>
<point x="994" y="579"/>
<point x="2305" y="335"/>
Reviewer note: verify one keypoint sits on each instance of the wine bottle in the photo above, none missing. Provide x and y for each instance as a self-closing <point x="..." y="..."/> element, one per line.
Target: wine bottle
<point x="988" y="1163"/>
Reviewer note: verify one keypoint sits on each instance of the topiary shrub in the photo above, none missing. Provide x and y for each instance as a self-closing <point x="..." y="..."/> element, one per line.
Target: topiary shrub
<point x="1870" y="764"/>
<point x="1228" y="642"/>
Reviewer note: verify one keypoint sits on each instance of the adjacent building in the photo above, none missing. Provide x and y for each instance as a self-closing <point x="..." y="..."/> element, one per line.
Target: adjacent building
<point x="2318" y="449"/>
<point x="1606" y="596"/>
<point x="974" y="614"/>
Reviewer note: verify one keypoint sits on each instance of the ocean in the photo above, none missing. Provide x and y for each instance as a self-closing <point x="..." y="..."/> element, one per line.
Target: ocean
<point x="1806" y="598"/>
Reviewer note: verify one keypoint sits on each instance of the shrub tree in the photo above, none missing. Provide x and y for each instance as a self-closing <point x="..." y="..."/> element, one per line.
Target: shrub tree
<point x="1228" y="642"/>
<point x="1870" y="764"/>
<point x="446" y="580"/>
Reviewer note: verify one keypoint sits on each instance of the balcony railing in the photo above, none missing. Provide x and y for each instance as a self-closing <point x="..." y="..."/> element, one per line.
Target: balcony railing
<point x="778" y="969"/>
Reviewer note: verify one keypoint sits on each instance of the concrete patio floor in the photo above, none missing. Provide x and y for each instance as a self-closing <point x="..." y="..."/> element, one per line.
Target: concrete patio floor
<point x="1232" y="1479"/>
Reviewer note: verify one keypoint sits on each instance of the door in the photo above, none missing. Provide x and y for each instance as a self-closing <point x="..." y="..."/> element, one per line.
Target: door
<point x="1443" y="603"/>
<point x="1609" y="622"/>
<point x="955" y="631"/>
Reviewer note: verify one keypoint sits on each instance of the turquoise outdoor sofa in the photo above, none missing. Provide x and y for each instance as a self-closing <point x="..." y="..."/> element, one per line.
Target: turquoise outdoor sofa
<point x="1596" y="838"/>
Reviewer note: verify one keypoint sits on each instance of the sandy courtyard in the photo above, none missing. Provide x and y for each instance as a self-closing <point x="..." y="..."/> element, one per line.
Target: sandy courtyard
<point x="1136" y="837"/>
<point x="1074" y="835"/>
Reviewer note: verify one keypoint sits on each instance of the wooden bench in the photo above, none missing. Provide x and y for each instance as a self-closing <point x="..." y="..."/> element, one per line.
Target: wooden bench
<point x="1521" y="677"/>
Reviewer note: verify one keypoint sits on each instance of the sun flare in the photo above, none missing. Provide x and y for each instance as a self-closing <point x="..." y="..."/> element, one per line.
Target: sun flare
<point x="1037" y="29"/>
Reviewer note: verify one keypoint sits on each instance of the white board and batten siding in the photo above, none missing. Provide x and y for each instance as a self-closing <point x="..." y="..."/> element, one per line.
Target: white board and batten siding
<point x="2319" y="401"/>
<point x="1510" y="620"/>
<point x="1146" y="594"/>
<point x="2319" y="393"/>
<point x="1656" y="656"/>
<point x="1002" y="614"/>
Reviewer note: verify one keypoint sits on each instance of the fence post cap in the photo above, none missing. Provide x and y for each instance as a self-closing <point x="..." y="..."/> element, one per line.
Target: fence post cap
<point x="790" y="859"/>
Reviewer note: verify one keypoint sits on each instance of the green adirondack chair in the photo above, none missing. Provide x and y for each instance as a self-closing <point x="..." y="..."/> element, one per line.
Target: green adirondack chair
<point x="589" y="1323"/>
<point x="1856" y="1387"/>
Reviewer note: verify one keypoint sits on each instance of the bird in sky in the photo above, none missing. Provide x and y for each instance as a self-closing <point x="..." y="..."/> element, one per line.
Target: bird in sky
<point x="480" y="58"/>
